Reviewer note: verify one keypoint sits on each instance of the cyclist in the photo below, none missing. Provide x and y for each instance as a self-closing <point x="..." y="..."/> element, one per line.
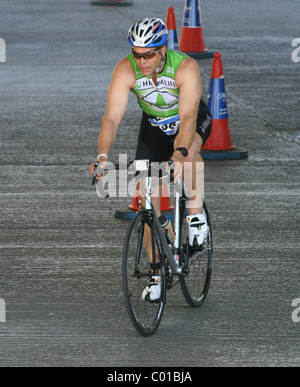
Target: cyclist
<point x="175" y="122"/>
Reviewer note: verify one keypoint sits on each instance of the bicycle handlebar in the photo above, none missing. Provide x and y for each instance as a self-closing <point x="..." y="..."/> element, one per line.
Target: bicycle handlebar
<point x="171" y="170"/>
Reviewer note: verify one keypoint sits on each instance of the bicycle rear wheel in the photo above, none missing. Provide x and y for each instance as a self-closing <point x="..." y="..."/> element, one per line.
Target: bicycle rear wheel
<point x="145" y="315"/>
<point x="195" y="283"/>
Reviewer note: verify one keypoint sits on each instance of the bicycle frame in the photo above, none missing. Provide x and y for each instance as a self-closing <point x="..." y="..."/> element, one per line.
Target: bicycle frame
<point x="175" y="266"/>
<point x="178" y="216"/>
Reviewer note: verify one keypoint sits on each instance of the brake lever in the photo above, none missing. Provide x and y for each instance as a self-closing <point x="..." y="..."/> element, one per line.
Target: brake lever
<point x="95" y="173"/>
<point x="170" y="162"/>
<point x="94" y="181"/>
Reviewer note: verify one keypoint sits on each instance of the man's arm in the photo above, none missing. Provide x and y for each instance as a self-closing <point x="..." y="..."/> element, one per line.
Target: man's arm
<point x="123" y="79"/>
<point x="188" y="79"/>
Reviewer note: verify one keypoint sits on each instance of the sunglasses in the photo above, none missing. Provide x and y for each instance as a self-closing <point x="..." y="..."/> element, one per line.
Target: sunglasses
<point x="145" y="55"/>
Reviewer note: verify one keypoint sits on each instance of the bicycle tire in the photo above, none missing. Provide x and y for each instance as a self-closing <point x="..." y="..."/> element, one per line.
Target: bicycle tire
<point x="144" y="315"/>
<point x="195" y="283"/>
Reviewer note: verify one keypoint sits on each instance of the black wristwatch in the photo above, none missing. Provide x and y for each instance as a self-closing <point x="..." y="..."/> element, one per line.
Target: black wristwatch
<point x="183" y="151"/>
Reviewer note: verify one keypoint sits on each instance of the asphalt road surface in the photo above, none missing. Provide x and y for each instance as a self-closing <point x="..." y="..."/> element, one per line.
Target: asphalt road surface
<point x="60" y="268"/>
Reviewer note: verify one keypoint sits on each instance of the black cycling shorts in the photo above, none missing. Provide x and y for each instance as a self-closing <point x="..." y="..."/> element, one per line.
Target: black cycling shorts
<point x="154" y="145"/>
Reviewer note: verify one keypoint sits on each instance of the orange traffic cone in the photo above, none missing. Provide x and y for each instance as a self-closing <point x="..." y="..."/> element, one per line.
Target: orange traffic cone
<point x="220" y="140"/>
<point x="135" y="202"/>
<point x="165" y="203"/>
<point x="191" y="39"/>
<point x="112" y="2"/>
<point x="172" y="43"/>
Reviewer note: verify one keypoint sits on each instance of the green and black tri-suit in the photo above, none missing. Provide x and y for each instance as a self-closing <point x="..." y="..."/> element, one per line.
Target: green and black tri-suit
<point x="159" y="103"/>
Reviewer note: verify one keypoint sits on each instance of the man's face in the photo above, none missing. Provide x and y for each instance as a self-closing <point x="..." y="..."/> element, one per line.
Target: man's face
<point x="151" y="60"/>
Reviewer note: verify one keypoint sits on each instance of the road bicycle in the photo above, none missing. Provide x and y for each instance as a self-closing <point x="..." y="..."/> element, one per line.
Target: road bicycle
<point x="147" y="240"/>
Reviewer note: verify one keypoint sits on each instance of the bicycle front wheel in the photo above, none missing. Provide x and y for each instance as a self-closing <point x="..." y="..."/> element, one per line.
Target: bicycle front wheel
<point x="142" y="243"/>
<point x="195" y="282"/>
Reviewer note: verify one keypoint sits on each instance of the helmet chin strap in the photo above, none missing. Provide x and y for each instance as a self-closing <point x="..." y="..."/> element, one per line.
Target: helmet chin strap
<point x="163" y="57"/>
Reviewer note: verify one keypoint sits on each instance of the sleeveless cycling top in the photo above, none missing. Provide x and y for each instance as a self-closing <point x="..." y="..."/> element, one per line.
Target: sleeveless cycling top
<point x="159" y="100"/>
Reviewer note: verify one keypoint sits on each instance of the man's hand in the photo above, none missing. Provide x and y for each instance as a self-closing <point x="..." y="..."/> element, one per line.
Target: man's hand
<point x="101" y="167"/>
<point x="178" y="160"/>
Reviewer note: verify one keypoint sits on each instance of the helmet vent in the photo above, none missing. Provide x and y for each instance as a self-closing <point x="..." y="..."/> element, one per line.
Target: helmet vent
<point x="155" y="30"/>
<point x="148" y="30"/>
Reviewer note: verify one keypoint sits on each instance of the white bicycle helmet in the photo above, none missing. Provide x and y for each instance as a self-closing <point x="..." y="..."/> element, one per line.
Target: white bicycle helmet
<point x="148" y="33"/>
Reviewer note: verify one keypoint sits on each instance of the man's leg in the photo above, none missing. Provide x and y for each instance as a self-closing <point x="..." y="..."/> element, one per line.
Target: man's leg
<point x="193" y="173"/>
